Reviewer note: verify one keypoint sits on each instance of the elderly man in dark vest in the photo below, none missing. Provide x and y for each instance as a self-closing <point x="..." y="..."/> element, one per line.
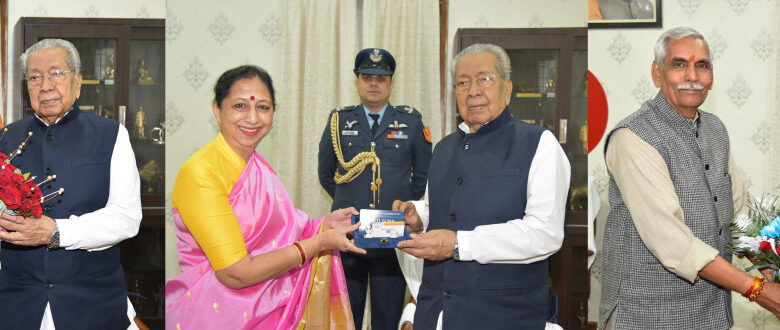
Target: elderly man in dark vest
<point x="494" y="209"/>
<point x="62" y="270"/>
<point x="673" y="190"/>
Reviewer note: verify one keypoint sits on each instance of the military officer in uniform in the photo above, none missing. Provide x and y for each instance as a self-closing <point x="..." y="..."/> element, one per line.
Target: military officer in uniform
<point x="381" y="153"/>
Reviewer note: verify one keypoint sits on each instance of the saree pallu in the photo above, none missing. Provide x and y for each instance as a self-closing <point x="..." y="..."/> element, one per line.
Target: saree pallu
<point x="310" y="297"/>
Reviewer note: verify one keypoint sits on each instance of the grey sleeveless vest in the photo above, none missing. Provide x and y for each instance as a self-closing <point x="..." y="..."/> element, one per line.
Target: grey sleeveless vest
<point x="635" y="285"/>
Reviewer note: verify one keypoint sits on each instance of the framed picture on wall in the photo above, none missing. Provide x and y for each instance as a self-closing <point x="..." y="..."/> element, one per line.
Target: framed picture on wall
<point x="624" y="14"/>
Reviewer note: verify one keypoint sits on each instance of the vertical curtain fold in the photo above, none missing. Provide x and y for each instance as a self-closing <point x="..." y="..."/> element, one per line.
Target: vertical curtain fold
<point x="318" y="49"/>
<point x="409" y="29"/>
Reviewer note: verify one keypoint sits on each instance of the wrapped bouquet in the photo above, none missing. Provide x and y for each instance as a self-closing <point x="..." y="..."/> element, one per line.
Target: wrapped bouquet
<point x="757" y="233"/>
<point x="19" y="194"/>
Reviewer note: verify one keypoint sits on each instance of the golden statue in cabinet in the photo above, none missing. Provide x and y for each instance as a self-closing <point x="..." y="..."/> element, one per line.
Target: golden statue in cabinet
<point x="109" y="71"/>
<point x="151" y="176"/>
<point x="143" y="74"/>
<point x="140" y="123"/>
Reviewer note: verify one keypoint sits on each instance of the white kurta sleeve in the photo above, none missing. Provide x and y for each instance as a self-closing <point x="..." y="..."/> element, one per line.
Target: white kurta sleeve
<point x="121" y="217"/>
<point x="539" y="233"/>
<point x="422" y="209"/>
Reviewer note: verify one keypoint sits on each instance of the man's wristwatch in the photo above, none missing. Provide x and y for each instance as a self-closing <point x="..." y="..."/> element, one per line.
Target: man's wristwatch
<point x="455" y="254"/>
<point x="55" y="238"/>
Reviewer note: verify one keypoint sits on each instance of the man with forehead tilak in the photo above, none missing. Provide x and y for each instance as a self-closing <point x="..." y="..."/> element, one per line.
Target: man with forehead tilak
<point x="673" y="190"/>
<point x="63" y="268"/>
<point x="393" y="148"/>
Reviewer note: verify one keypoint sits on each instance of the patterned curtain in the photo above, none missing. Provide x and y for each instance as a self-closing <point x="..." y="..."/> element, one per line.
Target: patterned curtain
<point x="409" y="29"/>
<point x="315" y="76"/>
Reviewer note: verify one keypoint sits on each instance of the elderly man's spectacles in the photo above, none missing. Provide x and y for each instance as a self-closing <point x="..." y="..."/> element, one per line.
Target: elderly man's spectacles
<point x="484" y="81"/>
<point x="55" y="76"/>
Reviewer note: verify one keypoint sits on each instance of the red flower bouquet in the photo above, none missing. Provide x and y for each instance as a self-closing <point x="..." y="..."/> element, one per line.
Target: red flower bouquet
<point x="19" y="195"/>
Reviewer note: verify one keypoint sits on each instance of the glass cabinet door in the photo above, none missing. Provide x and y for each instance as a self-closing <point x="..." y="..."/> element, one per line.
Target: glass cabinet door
<point x="145" y="122"/>
<point x="576" y="135"/>
<point x="536" y="95"/>
<point x="534" y="77"/>
<point x="145" y="117"/>
<point x="98" y="75"/>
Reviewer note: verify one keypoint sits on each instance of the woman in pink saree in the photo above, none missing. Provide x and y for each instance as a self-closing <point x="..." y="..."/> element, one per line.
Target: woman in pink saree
<point x="249" y="258"/>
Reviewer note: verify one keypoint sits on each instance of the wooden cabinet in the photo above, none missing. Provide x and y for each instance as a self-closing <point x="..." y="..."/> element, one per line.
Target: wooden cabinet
<point x="549" y="74"/>
<point x="123" y="71"/>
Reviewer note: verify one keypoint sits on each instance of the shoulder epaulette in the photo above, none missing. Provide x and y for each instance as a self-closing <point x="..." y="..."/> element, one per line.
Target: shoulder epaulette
<point x="347" y="108"/>
<point x="407" y="110"/>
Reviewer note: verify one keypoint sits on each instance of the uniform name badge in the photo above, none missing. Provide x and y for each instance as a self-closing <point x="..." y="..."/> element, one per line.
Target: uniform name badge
<point x="379" y="229"/>
<point x="349" y="133"/>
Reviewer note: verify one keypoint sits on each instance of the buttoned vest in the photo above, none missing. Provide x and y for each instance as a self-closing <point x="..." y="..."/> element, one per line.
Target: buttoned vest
<point x="635" y="285"/>
<point x="85" y="290"/>
<point x="481" y="179"/>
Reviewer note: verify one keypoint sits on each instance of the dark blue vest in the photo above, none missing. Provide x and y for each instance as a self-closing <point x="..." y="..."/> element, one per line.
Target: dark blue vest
<point x="479" y="179"/>
<point x="86" y="290"/>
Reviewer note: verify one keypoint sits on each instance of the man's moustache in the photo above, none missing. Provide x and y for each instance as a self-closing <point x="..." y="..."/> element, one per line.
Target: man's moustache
<point x="695" y="86"/>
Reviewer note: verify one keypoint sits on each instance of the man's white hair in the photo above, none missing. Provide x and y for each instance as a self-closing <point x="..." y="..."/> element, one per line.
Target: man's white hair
<point x="503" y="66"/>
<point x="72" y="59"/>
<point x="661" y="46"/>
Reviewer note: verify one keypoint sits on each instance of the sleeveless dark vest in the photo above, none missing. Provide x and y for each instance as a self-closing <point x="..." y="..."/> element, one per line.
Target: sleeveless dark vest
<point x="635" y="285"/>
<point x="85" y="290"/>
<point x="479" y="179"/>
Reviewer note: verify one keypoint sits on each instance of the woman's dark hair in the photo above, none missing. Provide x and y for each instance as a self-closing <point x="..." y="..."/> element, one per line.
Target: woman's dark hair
<point x="227" y="79"/>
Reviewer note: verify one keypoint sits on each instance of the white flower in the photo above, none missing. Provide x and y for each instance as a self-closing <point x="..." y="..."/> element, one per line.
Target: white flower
<point x="749" y="242"/>
<point x="768" y="202"/>
<point x="742" y="221"/>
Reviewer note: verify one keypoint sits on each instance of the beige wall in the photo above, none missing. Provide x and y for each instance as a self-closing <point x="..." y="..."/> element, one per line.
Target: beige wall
<point x="62" y="8"/>
<point x="743" y="38"/>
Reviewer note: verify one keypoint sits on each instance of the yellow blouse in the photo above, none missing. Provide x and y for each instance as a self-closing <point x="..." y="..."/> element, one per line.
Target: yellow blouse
<point x="201" y="196"/>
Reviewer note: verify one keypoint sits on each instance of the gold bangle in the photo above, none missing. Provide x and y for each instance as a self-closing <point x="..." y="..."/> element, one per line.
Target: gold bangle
<point x="301" y="253"/>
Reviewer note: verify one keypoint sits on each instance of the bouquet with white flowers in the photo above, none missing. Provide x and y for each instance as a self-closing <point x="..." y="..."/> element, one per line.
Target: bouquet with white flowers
<point x="757" y="233"/>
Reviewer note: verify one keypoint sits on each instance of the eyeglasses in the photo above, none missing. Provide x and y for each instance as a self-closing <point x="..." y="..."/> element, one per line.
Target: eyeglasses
<point x="484" y="81"/>
<point x="55" y="76"/>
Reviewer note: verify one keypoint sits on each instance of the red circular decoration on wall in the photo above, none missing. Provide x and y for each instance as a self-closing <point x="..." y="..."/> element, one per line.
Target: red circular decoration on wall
<point x="597" y="111"/>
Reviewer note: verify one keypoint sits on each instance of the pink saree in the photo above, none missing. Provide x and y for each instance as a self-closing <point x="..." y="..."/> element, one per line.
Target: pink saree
<point x="311" y="297"/>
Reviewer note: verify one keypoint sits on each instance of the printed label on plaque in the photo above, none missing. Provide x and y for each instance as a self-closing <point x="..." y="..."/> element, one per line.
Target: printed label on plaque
<point x="379" y="228"/>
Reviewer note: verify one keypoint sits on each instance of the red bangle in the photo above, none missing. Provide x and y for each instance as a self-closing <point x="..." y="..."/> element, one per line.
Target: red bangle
<point x="301" y="252"/>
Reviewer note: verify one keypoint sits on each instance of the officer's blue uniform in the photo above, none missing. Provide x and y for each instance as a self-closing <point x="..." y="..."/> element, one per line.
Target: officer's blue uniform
<point x="404" y="170"/>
